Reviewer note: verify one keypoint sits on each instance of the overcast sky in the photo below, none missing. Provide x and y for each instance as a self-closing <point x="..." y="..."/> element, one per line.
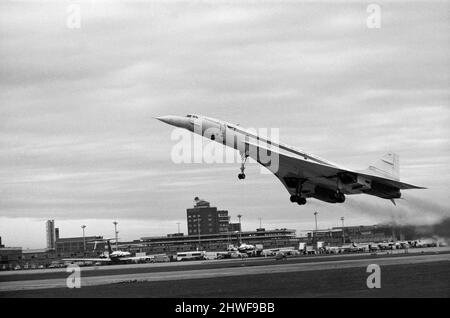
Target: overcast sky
<point x="79" y="144"/>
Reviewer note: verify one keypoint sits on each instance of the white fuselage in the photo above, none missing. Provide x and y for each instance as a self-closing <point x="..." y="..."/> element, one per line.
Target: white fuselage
<point x="235" y="136"/>
<point x="119" y="254"/>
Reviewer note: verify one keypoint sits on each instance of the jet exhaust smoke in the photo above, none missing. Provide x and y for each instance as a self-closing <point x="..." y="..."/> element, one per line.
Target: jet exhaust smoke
<point x="412" y="211"/>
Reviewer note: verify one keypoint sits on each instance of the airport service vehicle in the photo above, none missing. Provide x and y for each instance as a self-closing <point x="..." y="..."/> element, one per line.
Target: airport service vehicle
<point x="302" y="247"/>
<point x="285" y="251"/>
<point x="425" y="243"/>
<point x="373" y="247"/>
<point x="238" y="255"/>
<point x="289" y="252"/>
<point x="350" y="248"/>
<point x="216" y="255"/>
<point x="191" y="256"/>
<point x="268" y="252"/>
<point x="211" y="255"/>
<point x="304" y="175"/>
<point x="159" y="258"/>
<point x="257" y="251"/>
<point x="56" y="264"/>
<point x="246" y="248"/>
<point x="332" y="249"/>
<point x="386" y="245"/>
<point x="363" y="247"/>
<point x="401" y="245"/>
<point x="310" y="250"/>
<point x="223" y="255"/>
<point x="280" y="256"/>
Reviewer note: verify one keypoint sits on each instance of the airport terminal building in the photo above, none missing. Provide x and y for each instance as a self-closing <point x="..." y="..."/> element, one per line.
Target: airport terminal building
<point x="173" y="244"/>
<point x="209" y="229"/>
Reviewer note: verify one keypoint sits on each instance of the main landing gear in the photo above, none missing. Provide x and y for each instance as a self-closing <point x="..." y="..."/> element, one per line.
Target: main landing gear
<point x="339" y="196"/>
<point x="244" y="158"/>
<point x="297" y="197"/>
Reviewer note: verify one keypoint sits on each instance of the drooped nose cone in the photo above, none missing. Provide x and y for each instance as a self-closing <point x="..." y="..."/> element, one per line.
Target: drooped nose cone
<point x="177" y="121"/>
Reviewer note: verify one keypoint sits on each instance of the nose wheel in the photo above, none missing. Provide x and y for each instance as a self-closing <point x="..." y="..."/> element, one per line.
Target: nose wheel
<point x="241" y="176"/>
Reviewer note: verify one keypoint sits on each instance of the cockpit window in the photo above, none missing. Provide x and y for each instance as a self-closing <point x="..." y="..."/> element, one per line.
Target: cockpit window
<point x="188" y="116"/>
<point x="192" y="116"/>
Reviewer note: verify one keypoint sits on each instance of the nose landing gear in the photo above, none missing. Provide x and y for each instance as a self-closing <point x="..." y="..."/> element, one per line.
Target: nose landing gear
<point x="244" y="157"/>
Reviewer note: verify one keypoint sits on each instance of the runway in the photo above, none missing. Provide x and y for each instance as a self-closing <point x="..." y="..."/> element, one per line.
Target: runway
<point x="134" y="277"/>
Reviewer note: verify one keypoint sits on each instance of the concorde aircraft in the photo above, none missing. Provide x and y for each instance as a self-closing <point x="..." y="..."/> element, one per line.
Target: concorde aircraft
<point x="303" y="174"/>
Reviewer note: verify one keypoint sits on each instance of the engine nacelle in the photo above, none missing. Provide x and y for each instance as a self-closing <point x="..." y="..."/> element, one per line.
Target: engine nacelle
<point x="328" y="195"/>
<point x="384" y="191"/>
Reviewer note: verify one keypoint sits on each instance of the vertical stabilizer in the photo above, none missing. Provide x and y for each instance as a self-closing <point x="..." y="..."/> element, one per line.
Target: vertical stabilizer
<point x="387" y="166"/>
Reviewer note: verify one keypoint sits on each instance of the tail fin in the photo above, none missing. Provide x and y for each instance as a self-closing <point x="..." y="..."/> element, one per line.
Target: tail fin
<point x="387" y="166"/>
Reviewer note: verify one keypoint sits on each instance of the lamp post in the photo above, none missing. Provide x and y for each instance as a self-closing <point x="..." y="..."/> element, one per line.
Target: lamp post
<point x="315" y="232"/>
<point x="198" y="231"/>
<point x="240" y="227"/>
<point x="84" y="239"/>
<point x="260" y="225"/>
<point x="116" y="233"/>
<point x="178" y="223"/>
<point x="343" y="232"/>
<point x="315" y="217"/>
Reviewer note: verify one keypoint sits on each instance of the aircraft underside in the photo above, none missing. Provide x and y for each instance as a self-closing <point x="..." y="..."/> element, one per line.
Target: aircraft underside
<point x="331" y="189"/>
<point x="301" y="189"/>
